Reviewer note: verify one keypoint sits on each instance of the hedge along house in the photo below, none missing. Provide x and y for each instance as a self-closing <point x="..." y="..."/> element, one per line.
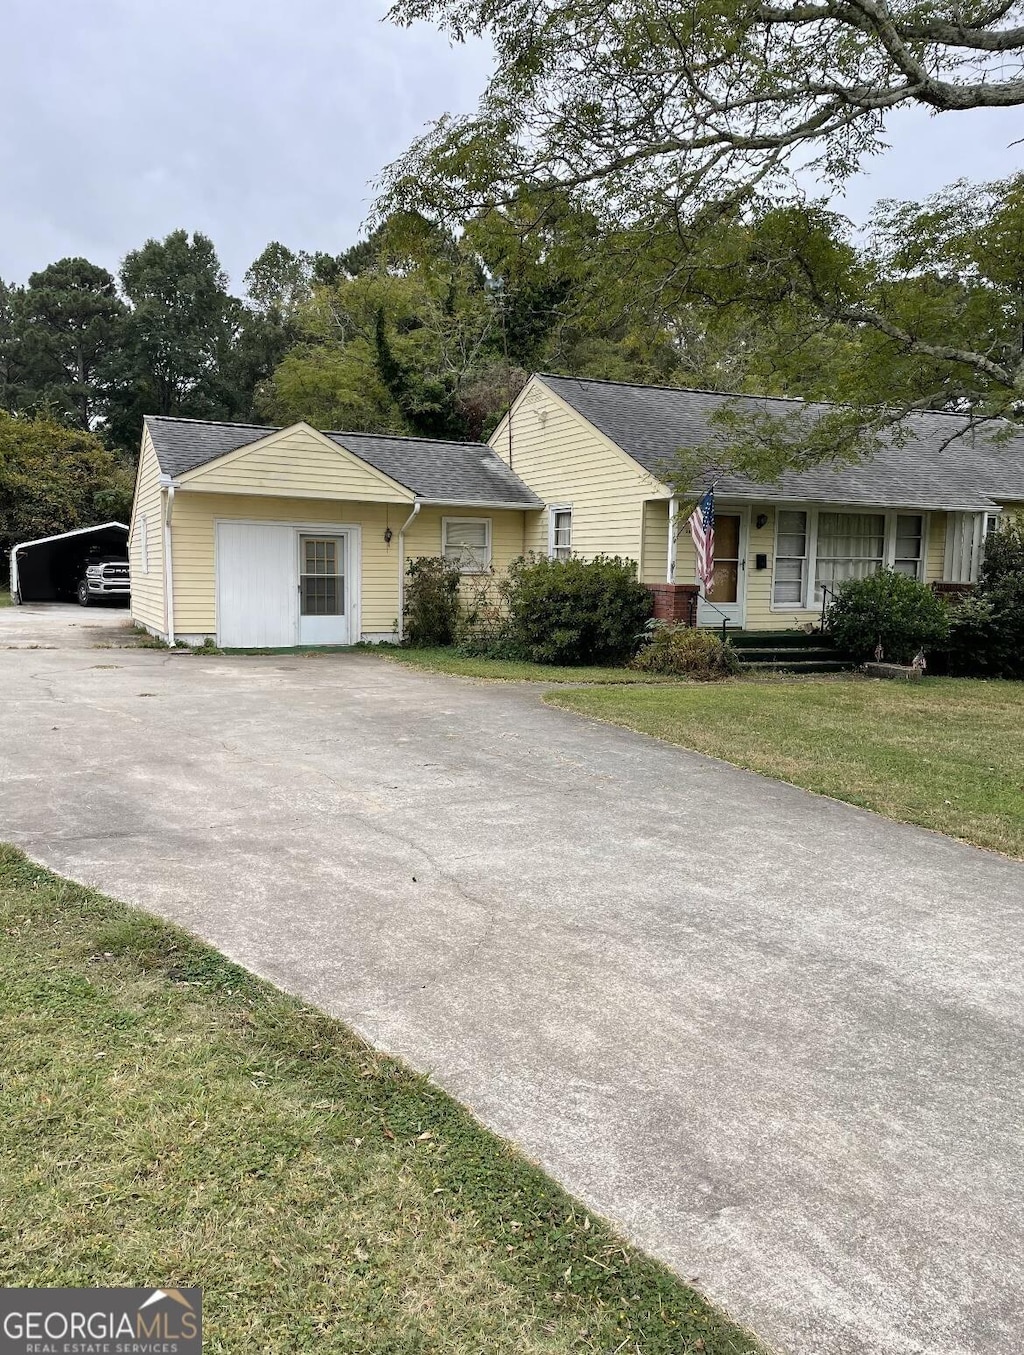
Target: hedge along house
<point x="596" y="452"/>
<point x="276" y="537"/>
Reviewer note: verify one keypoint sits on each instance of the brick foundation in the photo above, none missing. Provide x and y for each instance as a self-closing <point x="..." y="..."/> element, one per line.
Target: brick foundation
<point x="951" y="591"/>
<point x="675" y="602"/>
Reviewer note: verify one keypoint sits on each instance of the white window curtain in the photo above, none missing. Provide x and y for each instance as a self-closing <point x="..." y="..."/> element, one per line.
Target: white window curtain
<point x="850" y="546"/>
<point x="467" y="542"/>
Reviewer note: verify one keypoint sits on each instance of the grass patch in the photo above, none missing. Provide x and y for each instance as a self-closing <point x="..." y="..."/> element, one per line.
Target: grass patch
<point x="507" y="670"/>
<point x="944" y="753"/>
<point x="5" y="597"/>
<point x="169" y="1119"/>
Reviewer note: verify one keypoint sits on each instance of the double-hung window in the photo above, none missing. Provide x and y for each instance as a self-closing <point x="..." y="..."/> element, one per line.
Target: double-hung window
<point x="560" y="532"/>
<point x="909" y="550"/>
<point x="790" y="559"/>
<point x="467" y="543"/>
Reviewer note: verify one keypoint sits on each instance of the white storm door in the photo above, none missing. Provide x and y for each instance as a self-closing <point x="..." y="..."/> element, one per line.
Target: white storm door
<point x="257" y="598"/>
<point x="725" y="602"/>
<point x="323" y="588"/>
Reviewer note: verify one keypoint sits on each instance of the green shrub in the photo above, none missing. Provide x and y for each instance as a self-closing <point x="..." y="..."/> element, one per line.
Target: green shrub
<point x="432" y="605"/>
<point x="687" y="652"/>
<point x="986" y="636"/>
<point x="889" y="609"/>
<point x="1004" y="554"/>
<point x="574" y="611"/>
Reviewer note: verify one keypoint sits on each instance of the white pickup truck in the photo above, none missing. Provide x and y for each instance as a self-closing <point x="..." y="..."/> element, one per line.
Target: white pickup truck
<point x="104" y="579"/>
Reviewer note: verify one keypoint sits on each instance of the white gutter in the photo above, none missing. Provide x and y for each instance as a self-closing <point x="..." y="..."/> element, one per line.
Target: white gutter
<point x="168" y="563"/>
<point x="401" y="566"/>
<point x="481" y="503"/>
<point x="672" y="512"/>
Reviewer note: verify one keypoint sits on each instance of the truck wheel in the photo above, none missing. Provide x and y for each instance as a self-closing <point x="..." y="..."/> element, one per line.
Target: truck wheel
<point x="83" y="594"/>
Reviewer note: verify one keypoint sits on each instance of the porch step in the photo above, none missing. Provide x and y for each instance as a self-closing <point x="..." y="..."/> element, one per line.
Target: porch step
<point x="777" y="639"/>
<point x="797" y="665"/>
<point x="787" y="652"/>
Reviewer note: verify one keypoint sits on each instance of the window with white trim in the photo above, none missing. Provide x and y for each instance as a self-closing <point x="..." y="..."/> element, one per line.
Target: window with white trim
<point x="909" y="552"/>
<point x="790" y="584"/>
<point x="467" y="543"/>
<point x="560" y="532"/>
<point x="143" y="543"/>
<point x="822" y="548"/>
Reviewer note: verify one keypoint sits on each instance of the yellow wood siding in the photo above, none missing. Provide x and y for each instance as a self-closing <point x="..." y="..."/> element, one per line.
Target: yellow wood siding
<point x="761" y="541"/>
<point x="147" y="587"/>
<point x="935" y="554"/>
<point x="566" y="461"/>
<point x="654" y="556"/>
<point x="297" y="462"/>
<point x="194" y="538"/>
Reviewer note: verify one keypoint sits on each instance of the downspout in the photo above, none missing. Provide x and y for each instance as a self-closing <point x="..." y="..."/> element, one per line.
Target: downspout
<point x="417" y="505"/>
<point x="671" y="572"/>
<point x="168" y="565"/>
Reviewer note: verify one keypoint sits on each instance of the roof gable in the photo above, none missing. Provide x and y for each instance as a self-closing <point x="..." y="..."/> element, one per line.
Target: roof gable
<point x="296" y="461"/>
<point x="434" y="470"/>
<point x="651" y="423"/>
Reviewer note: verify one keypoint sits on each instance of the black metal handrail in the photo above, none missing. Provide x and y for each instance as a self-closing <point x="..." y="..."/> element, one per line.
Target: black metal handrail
<point x="826" y="593"/>
<point x="725" y="618"/>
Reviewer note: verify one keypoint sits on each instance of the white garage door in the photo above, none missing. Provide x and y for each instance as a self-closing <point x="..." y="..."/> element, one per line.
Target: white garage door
<point x="257" y="585"/>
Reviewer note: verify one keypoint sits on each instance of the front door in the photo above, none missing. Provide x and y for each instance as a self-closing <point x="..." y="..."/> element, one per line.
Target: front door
<point x="323" y="605"/>
<point x="725" y="600"/>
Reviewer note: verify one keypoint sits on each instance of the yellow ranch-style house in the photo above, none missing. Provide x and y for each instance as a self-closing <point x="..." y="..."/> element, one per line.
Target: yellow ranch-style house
<point x="275" y="537"/>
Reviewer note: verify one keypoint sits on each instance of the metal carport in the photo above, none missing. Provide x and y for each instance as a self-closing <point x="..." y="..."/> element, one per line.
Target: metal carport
<point x="49" y="568"/>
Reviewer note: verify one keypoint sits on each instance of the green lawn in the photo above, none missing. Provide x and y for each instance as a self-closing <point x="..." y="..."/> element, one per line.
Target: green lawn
<point x="5" y="598"/>
<point x="447" y="661"/>
<point x="946" y="754"/>
<point x="170" y="1120"/>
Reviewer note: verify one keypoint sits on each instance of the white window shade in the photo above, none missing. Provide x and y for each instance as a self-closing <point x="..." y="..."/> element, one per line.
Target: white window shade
<point x="467" y="543"/>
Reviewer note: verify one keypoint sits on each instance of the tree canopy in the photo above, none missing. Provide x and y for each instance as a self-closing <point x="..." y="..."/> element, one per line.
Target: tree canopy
<point x="684" y="137"/>
<point x="54" y="478"/>
<point x="643" y="102"/>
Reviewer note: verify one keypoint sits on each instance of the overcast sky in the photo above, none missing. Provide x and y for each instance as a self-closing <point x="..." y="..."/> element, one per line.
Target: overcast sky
<point x="254" y="121"/>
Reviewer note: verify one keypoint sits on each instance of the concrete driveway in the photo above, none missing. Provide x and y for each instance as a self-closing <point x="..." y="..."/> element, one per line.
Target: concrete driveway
<point x="775" y="1039"/>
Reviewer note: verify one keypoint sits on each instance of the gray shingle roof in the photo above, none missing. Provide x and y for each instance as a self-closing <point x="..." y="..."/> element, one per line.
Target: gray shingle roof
<point x="440" y="472"/>
<point x="651" y="423"/>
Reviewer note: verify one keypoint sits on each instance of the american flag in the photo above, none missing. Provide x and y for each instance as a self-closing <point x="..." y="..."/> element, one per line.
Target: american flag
<point x="702" y="529"/>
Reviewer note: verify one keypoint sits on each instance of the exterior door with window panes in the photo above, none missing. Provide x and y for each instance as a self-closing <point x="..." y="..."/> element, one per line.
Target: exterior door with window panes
<point x="724" y="601"/>
<point x="323" y="613"/>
